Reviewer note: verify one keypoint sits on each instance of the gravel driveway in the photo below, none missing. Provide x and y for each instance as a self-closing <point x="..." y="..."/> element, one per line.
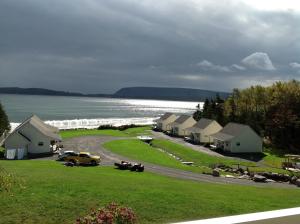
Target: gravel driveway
<point x="94" y="144"/>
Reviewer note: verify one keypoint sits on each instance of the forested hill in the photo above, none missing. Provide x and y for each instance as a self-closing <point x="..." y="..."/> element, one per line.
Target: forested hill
<point x="184" y="94"/>
<point x="41" y="91"/>
<point x="160" y="93"/>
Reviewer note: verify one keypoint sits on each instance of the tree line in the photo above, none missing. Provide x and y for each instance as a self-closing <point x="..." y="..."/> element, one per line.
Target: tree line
<point x="4" y="122"/>
<point x="273" y="112"/>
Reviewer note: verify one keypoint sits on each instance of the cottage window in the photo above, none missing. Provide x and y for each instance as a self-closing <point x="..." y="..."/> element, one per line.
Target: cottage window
<point x="40" y="143"/>
<point x="238" y="144"/>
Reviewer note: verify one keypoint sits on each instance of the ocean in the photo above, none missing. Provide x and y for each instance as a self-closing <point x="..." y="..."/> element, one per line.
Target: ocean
<point x="67" y="112"/>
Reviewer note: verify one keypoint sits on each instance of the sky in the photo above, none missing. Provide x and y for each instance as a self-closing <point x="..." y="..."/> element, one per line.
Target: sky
<point x="100" y="46"/>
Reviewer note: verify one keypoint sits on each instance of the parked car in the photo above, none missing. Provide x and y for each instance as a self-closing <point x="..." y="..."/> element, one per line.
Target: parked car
<point x="83" y="158"/>
<point x="63" y="155"/>
<point x="129" y="166"/>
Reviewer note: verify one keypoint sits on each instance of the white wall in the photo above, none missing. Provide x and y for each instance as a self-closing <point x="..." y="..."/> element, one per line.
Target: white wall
<point x="248" y="141"/>
<point x="187" y="124"/>
<point x="16" y="141"/>
<point x="169" y="120"/>
<point x="212" y="128"/>
<point x="36" y="136"/>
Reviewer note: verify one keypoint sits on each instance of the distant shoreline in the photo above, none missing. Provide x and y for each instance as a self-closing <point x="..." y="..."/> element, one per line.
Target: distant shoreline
<point x="144" y="93"/>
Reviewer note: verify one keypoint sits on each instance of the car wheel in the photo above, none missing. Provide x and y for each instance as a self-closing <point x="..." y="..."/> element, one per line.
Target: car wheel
<point x="73" y="161"/>
<point x="94" y="163"/>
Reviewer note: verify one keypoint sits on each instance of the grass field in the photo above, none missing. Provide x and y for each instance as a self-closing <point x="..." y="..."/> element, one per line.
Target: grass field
<point x="131" y="132"/>
<point x="136" y="149"/>
<point x="273" y="160"/>
<point x="58" y="194"/>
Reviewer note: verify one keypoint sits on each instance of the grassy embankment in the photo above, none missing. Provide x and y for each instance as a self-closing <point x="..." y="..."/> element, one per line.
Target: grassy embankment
<point x="57" y="194"/>
<point x="130" y="132"/>
<point x="138" y="150"/>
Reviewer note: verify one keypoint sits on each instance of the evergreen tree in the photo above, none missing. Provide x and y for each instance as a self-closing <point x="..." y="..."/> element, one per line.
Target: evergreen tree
<point x="198" y="114"/>
<point x="4" y="123"/>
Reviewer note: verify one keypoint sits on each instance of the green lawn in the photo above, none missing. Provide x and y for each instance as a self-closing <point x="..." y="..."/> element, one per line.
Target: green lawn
<point x="188" y="154"/>
<point x="131" y="132"/>
<point x="273" y="160"/>
<point x="138" y="150"/>
<point x="58" y="194"/>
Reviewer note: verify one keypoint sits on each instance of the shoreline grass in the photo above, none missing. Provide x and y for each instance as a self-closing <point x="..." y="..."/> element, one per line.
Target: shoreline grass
<point x="130" y="132"/>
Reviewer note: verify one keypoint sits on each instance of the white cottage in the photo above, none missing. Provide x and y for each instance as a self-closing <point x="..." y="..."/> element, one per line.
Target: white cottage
<point x="238" y="138"/>
<point x="163" y="121"/>
<point x="203" y="129"/>
<point x="32" y="137"/>
<point x="179" y="126"/>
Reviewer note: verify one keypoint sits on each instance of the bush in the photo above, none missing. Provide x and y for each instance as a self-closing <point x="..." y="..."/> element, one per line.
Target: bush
<point x="2" y="151"/>
<point x="6" y="180"/>
<point x="110" y="214"/>
<point x="120" y="128"/>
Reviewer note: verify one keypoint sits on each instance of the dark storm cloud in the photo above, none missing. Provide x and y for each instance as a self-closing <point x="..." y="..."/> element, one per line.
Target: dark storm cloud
<point x="100" y="46"/>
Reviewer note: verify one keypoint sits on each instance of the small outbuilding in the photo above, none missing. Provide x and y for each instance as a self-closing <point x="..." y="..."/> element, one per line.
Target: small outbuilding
<point x="179" y="126"/>
<point x="31" y="138"/>
<point x="163" y="122"/>
<point x="201" y="132"/>
<point x="237" y="138"/>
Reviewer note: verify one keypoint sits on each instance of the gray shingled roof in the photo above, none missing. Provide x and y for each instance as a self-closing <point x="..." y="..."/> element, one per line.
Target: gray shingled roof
<point x="165" y="116"/>
<point x="181" y="119"/>
<point x="201" y="124"/>
<point x="46" y="129"/>
<point x="230" y="131"/>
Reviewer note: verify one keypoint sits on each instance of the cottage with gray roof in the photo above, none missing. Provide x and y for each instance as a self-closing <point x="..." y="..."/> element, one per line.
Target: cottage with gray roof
<point x="238" y="138"/>
<point x="163" y="122"/>
<point x="203" y="129"/>
<point x="33" y="137"/>
<point x="179" y="126"/>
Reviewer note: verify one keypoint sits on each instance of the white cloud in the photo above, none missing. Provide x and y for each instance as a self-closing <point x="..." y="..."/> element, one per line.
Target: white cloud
<point x="207" y="65"/>
<point x="295" y="65"/>
<point x="238" y="67"/>
<point x="271" y="5"/>
<point x="193" y="77"/>
<point x="259" y="60"/>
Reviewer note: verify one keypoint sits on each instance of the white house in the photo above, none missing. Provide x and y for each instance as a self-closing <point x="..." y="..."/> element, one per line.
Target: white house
<point x="203" y="129"/>
<point x="32" y="137"/>
<point x="238" y="138"/>
<point x="179" y="126"/>
<point x="163" y="121"/>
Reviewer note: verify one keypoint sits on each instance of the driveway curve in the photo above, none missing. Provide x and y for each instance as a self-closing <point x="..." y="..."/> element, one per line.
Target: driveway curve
<point x="94" y="144"/>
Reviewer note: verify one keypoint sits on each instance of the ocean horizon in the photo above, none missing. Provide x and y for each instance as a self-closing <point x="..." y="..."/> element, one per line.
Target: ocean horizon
<point x="68" y="112"/>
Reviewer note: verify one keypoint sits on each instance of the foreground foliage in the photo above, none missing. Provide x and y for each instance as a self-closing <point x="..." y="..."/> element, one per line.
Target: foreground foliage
<point x="8" y="181"/>
<point x="110" y="214"/>
<point x="4" y="122"/>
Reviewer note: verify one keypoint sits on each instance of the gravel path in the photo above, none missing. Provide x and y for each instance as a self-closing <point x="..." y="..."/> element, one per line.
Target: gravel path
<point x="93" y="144"/>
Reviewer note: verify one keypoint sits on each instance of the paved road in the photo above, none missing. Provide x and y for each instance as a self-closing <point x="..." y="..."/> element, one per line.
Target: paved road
<point x="94" y="144"/>
<point x="181" y="141"/>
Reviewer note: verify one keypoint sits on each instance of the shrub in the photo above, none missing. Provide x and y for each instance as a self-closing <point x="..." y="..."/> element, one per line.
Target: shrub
<point x="2" y="151"/>
<point x="110" y="214"/>
<point x="120" y="128"/>
<point x="6" y="180"/>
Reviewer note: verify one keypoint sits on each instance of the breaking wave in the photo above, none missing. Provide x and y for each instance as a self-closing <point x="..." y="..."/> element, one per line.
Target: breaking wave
<point x="94" y="123"/>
